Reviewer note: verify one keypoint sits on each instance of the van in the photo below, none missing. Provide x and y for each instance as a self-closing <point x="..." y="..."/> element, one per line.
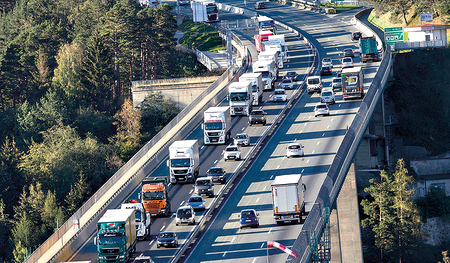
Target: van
<point x="313" y="84"/>
<point x="204" y="186"/>
<point x="185" y="215"/>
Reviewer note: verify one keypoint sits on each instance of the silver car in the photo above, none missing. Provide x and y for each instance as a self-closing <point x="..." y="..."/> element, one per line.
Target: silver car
<point x="327" y="97"/>
<point x="242" y="139"/>
<point x="232" y="152"/>
<point x="287" y="84"/>
<point x="196" y="202"/>
<point x="279" y="95"/>
<point x="321" y="109"/>
<point x="185" y="215"/>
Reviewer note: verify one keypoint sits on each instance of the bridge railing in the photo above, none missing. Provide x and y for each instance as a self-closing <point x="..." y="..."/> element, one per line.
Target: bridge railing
<point x="329" y="191"/>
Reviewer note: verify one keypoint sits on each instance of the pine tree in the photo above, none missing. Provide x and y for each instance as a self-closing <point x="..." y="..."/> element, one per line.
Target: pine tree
<point x="77" y="195"/>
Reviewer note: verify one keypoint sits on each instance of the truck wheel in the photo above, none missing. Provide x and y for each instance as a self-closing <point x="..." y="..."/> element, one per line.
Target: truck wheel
<point x="279" y="223"/>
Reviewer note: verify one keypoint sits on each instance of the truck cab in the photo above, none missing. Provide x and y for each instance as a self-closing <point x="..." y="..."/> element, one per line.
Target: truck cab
<point x="241" y="98"/>
<point x="257" y="86"/>
<point x="154" y="196"/>
<point x="184" y="161"/>
<point x="143" y="220"/>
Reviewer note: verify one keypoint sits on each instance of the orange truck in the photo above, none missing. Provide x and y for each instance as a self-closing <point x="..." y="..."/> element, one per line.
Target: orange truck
<point x="155" y="197"/>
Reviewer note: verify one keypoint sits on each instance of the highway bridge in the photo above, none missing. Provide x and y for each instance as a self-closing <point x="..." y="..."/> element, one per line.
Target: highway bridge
<point x="220" y="238"/>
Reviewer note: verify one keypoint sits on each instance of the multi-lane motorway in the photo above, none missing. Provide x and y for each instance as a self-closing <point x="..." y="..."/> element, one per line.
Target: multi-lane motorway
<point x="222" y="239"/>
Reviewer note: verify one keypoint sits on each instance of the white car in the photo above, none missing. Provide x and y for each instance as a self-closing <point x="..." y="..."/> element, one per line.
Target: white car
<point x="287" y="84"/>
<point x="185" y="215"/>
<point x="327" y="96"/>
<point x="232" y="152"/>
<point x="313" y="84"/>
<point x="347" y="62"/>
<point x="327" y="62"/>
<point x="321" y="109"/>
<point x="294" y="149"/>
<point x="279" y="95"/>
<point x="242" y="139"/>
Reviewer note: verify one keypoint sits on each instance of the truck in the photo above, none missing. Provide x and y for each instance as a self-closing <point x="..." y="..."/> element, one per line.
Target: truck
<point x="240" y="98"/>
<point x="264" y="34"/>
<point x="268" y="71"/>
<point x="271" y="55"/>
<point x="154" y="196"/>
<point x="204" y="11"/>
<point x="258" y="43"/>
<point x="257" y="86"/>
<point x="275" y="47"/>
<point x="116" y="236"/>
<point x="280" y="39"/>
<point x="352" y="83"/>
<point x="143" y="220"/>
<point x="184" y="161"/>
<point x="216" y="125"/>
<point x="288" y="198"/>
<point x="369" y="50"/>
<point x="266" y="23"/>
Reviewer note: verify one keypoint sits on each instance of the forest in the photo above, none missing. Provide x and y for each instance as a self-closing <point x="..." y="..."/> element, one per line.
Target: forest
<point x="67" y="118"/>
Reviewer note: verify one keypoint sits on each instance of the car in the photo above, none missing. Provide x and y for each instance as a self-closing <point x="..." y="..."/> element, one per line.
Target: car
<point x="336" y="83"/>
<point x="347" y="63"/>
<point x="321" y="109"/>
<point x="286" y="84"/>
<point x="217" y="174"/>
<point x="204" y="186"/>
<point x="325" y="70"/>
<point x="183" y="2"/>
<point x="257" y="116"/>
<point x="248" y="217"/>
<point x="356" y="35"/>
<point x="260" y="5"/>
<point x="279" y="95"/>
<point x="294" y="149"/>
<point x="185" y="215"/>
<point x="327" y="96"/>
<point x="348" y="52"/>
<point x="313" y="84"/>
<point x="291" y="75"/>
<point x="143" y="259"/>
<point x="327" y="62"/>
<point x="232" y="152"/>
<point x="196" y="202"/>
<point x="167" y="239"/>
<point x="242" y="139"/>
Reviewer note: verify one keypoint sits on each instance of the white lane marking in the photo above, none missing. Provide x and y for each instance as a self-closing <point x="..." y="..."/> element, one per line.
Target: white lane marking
<point x="306" y="123"/>
<point x="295" y="140"/>
<point x="328" y="126"/>
<point x="271" y="177"/>
<point x="270" y="230"/>
<point x="151" y="242"/>
<point x="309" y="117"/>
<point x="216" y="161"/>
<point x="304" y="24"/>
<point x="224" y="254"/>
<point x="329" y="39"/>
<point x="288" y="66"/>
<point x="243" y="128"/>
<point x="318" y="143"/>
<point x="172" y="215"/>
<point x="257" y="200"/>
<point x="202" y="147"/>
<point x="301" y="131"/>
<point x="264" y="102"/>
<point x="303" y="170"/>
<point x="278" y="166"/>
<point x="162" y="228"/>
<point x="332" y="119"/>
<point x="181" y="204"/>
<point x="311" y="153"/>
<point x="323" y="134"/>
<point x="265" y="187"/>
<point x="192" y="190"/>
<point x="262" y="245"/>
<point x="307" y="161"/>
<point x="232" y="240"/>
<point x="254" y="260"/>
<point x="340" y="105"/>
<point x="335" y="112"/>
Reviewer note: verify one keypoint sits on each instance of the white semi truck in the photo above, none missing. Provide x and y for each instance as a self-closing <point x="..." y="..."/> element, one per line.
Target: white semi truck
<point x="184" y="162"/>
<point x="276" y="46"/>
<point x="280" y="39"/>
<point x="288" y="198"/>
<point x="240" y="98"/>
<point x="257" y="86"/>
<point x="217" y="125"/>
<point x="204" y="11"/>
<point x="273" y="55"/>
<point x="269" y="70"/>
<point x="143" y="220"/>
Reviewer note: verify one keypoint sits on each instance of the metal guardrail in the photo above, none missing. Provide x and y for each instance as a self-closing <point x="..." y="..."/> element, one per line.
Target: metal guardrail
<point x="329" y="191"/>
<point x="420" y="45"/>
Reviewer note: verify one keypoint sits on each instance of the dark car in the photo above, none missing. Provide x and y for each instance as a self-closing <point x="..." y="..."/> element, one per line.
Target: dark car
<point x="260" y="5"/>
<point x="167" y="239"/>
<point x="356" y="35"/>
<point x="325" y="71"/>
<point x="217" y="174"/>
<point x="291" y="75"/>
<point x="257" y="116"/>
<point x="248" y="217"/>
<point x="348" y="52"/>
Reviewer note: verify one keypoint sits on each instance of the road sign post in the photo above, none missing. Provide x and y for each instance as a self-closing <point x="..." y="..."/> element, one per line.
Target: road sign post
<point x="393" y="35"/>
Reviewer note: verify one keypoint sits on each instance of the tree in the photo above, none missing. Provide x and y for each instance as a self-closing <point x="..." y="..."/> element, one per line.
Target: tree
<point x="77" y="195"/>
<point x="5" y="232"/>
<point x="396" y="7"/>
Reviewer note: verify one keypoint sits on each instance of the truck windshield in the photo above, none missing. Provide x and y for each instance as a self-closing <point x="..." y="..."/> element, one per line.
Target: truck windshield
<point x="184" y="162"/>
<point x="213" y="126"/>
<point x="110" y="239"/>
<point x="210" y="9"/>
<point x="265" y="74"/>
<point x="254" y="88"/>
<point x="158" y="195"/>
<point x="238" y="96"/>
<point x="137" y="214"/>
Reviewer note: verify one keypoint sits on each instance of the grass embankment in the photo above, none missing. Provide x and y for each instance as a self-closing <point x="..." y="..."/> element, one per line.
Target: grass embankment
<point x="421" y="96"/>
<point x="200" y="36"/>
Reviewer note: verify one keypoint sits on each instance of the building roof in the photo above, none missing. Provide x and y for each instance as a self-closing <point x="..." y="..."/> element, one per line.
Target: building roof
<point x="426" y="27"/>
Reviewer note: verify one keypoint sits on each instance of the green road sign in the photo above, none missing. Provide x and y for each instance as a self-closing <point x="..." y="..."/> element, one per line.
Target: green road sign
<point x="393" y="35"/>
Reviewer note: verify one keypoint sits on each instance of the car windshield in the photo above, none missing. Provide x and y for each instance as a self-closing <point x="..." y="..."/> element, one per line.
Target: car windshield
<point x="279" y="92"/>
<point x="139" y="260"/>
<point x="326" y="93"/>
<point x="241" y="136"/>
<point x="325" y="68"/>
<point x="327" y="60"/>
<point x="247" y="214"/>
<point x="337" y="80"/>
<point x="165" y="235"/>
<point x="313" y="81"/>
<point x="215" y="170"/>
<point x="203" y="182"/>
<point x="183" y="162"/>
<point x="183" y="213"/>
<point x="257" y="112"/>
<point x="195" y="199"/>
<point x="347" y="60"/>
<point x="348" y="51"/>
<point x="321" y="106"/>
<point x="231" y="149"/>
<point x="295" y="146"/>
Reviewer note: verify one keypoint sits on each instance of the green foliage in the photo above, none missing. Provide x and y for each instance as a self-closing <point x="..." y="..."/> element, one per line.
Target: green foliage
<point x="78" y="193"/>
<point x="420" y="91"/>
<point x="435" y="204"/>
<point x="5" y="232"/>
<point x="200" y="36"/>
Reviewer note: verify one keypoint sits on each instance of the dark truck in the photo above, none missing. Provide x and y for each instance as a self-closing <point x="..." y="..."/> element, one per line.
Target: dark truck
<point x="352" y="83"/>
<point x="369" y="50"/>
